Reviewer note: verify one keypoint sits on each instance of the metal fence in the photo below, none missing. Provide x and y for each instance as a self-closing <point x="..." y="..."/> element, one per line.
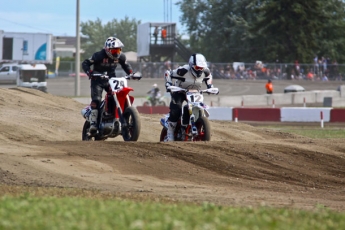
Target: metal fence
<point x="232" y="71"/>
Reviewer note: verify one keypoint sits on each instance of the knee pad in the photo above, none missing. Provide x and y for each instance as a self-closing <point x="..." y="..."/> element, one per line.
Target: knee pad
<point x="185" y="118"/>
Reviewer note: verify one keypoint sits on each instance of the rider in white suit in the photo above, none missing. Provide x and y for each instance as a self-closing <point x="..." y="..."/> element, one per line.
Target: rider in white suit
<point x="189" y="76"/>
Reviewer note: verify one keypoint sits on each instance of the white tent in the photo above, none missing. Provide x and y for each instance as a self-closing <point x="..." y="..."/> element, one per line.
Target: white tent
<point x="131" y="56"/>
<point x="293" y="89"/>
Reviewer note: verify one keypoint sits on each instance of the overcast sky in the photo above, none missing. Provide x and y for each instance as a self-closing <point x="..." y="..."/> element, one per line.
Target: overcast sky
<point x="59" y="17"/>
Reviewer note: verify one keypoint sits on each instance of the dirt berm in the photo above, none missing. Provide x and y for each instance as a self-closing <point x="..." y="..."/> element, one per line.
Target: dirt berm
<point x="242" y="165"/>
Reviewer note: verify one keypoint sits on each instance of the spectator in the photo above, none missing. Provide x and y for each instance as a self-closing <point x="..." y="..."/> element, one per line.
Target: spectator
<point x="269" y="87"/>
<point x="339" y="77"/>
<point x="334" y="70"/>
<point x="167" y="65"/>
<point x="324" y="78"/>
<point x="155" y="34"/>
<point x="164" y="34"/>
<point x="297" y="69"/>
<point x="310" y="76"/>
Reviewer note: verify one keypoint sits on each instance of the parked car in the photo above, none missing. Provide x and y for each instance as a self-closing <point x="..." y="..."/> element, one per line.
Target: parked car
<point x="8" y="73"/>
<point x="293" y="89"/>
<point x="81" y="74"/>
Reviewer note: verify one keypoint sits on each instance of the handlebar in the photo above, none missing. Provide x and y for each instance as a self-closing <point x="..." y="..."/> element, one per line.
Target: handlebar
<point x="100" y="75"/>
<point x="105" y="76"/>
<point x="179" y="89"/>
<point x="132" y="76"/>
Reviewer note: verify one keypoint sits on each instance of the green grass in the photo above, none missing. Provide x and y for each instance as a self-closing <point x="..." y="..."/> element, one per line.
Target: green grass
<point x="30" y="212"/>
<point x="312" y="131"/>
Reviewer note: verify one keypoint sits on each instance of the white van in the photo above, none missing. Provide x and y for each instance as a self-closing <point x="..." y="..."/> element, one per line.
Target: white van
<point x="32" y="76"/>
<point x="8" y="73"/>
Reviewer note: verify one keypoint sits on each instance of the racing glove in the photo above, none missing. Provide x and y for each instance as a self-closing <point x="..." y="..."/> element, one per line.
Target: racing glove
<point x="209" y="86"/>
<point x="89" y="73"/>
<point x="167" y="84"/>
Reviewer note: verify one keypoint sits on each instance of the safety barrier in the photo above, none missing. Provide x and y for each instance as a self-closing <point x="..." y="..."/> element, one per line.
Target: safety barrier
<point x="337" y="115"/>
<point x="153" y="109"/>
<point x="284" y="114"/>
<point x="257" y="114"/>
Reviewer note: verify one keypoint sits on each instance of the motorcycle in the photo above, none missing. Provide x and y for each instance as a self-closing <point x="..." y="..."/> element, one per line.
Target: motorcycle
<point x="193" y="124"/>
<point x="156" y="101"/>
<point x="117" y="116"/>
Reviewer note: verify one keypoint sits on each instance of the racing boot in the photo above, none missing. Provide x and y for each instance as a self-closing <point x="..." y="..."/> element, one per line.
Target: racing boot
<point x="93" y="121"/>
<point x="171" y="131"/>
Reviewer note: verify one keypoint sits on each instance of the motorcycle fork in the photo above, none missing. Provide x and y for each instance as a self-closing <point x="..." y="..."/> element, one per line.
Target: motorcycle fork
<point x="190" y="130"/>
<point x="118" y="112"/>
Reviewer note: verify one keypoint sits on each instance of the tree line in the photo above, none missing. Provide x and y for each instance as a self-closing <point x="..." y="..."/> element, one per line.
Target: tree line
<point x="273" y="31"/>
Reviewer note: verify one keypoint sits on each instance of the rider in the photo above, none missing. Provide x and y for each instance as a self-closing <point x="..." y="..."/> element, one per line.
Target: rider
<point x="192" y="75"/>
<point x="104" y="61"/>
<point x="154" y="94"/>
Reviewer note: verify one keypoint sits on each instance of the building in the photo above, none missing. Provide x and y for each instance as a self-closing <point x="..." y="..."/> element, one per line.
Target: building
<point x="65" y="46"/>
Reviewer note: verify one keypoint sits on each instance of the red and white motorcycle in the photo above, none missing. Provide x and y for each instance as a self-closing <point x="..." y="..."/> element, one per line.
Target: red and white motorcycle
<point x="193" y="124"/>
<point x="117" y="115"/>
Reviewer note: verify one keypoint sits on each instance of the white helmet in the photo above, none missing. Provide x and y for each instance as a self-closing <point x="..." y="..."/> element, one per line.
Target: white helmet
<point x="197" y="64"/>
<point x="154" y="85"/>
<point x="113" y="47"/>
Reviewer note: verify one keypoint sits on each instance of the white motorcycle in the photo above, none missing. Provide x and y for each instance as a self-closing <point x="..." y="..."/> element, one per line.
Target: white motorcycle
<point x="193" y="124"/>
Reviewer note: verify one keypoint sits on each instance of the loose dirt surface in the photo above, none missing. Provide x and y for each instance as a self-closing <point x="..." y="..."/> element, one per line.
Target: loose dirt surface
<point x="243" y="165"/>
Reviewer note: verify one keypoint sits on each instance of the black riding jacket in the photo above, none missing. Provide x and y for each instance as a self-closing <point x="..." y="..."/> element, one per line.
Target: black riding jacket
<point x="102" y="63"/>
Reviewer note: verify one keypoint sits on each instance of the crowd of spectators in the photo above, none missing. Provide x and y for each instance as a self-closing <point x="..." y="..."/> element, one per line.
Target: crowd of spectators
<point x="242" y="71"/>
<point x="322" y="69"/>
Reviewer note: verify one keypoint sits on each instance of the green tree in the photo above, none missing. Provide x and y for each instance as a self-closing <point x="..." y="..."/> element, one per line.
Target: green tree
<point x="266" y="30"/>
<point x="332" y="39"/>
<point x="96" y="34"/>
<point x="218" y="28"/>
<point x="290" y="29"/>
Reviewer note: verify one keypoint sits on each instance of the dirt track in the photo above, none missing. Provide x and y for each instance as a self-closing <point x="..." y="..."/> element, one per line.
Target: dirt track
<point x="242" y="165"/>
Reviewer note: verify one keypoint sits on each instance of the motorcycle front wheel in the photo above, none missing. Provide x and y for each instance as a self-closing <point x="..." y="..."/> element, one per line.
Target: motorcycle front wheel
<point x="132" y="118"/>
<point x="86" y="137"/>
<point x="204" y="129"/>
<point x="163" y="134"/>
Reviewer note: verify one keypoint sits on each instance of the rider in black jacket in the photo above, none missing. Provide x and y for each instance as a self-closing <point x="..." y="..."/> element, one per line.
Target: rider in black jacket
<point x="103" y="61"/>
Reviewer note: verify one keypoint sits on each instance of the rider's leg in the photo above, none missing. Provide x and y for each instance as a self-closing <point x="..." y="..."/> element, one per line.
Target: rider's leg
<point x="171" y="131"/>
<point x="93" y="119"/>
<point x="96" y="96"/>
<point x="175" y="114"/>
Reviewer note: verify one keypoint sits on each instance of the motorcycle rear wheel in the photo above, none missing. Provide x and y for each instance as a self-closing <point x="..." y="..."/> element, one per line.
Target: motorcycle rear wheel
<point x="146" y="103"/>
<point x="161" y="103"/>
<point x="204" y="129"/>
<point x="132" y="118"/>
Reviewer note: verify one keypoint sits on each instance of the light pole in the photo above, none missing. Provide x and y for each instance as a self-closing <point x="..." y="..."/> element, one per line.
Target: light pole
<point x="77" y="53"/>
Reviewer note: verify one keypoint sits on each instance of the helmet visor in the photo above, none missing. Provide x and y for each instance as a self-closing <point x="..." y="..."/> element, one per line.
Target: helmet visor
<point x="115" y="51"/>
<point x="198" y="68"/>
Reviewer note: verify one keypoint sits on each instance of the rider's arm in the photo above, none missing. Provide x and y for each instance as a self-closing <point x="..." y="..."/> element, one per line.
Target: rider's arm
<point x="179" y="72"/>
<point x="167" y="78"/>
<point x="208" y="75"/>
<point x="124" y="64"/>
<point x="87" y="63"/>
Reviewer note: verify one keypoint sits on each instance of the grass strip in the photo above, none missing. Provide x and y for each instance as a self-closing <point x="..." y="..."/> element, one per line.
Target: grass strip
<point x="31" y="212"/>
